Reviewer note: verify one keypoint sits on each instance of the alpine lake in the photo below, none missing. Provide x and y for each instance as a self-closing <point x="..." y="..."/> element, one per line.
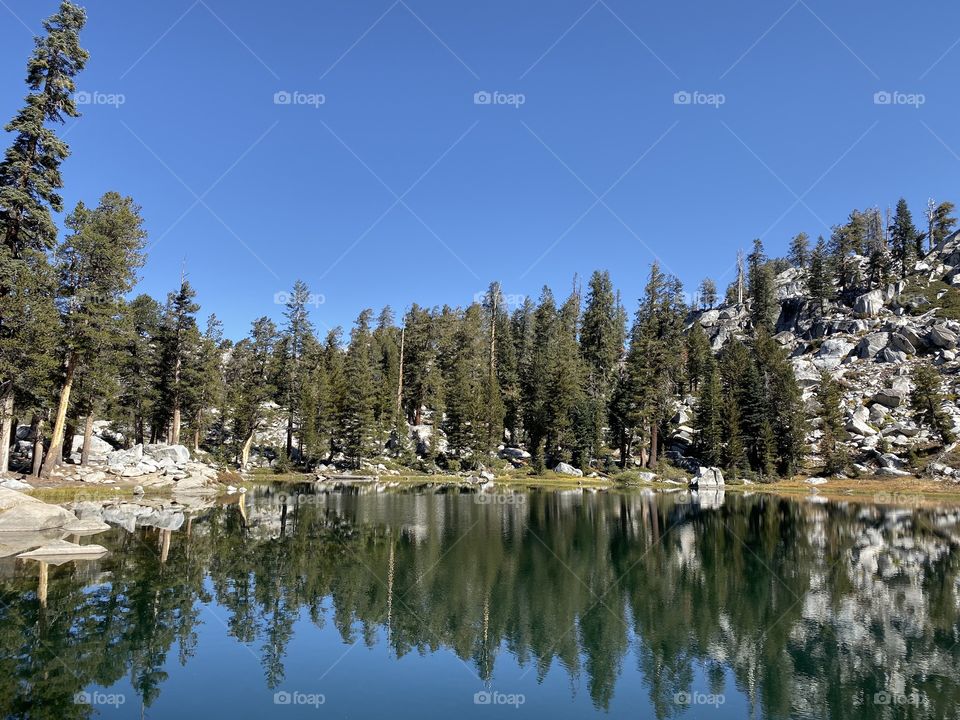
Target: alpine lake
<point x="422" y="602"/>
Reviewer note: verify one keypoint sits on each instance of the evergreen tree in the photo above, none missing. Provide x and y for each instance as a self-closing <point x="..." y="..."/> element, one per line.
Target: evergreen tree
<point x="357" y="420"/>
<point x="466" y="388"/>
<point x="926" y="401"/>
<point x="602" y="338"/>
<point x="800" y="251"/>
<point x="831" y="414"/>
<point x="535" y="379"/>
<point x="96" y="267"/>
<point x="177" y="342"/>
<point x="699" y="356"/>
<point x="708" y="294"/>
<point x="248" y="381"/>
<point x="903" y="237"/>
<point x="291" y="370"/>
<point x="819" y="282"/>
<point x="763" y="304"/>
<point x="708" y="419"/>
<point x="942" y="223"/>
<point x="496" y="329"/>
<point x="655" y="367"/>
<point x="138" y="397"/>
<point x="29" y="183"/>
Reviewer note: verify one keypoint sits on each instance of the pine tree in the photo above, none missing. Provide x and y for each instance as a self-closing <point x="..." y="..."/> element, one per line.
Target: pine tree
<point x="763" y="304"/>
<point x="800" y="251"/>
<point x="466" y="389"/>
<point x="177" y="335"/>
<point x="655" y="368"/>
<point x="784" y="399"/>
<point x="903" y="237"/>
<point x="831" y="414"/>
<point x="96" y="266"/>
<point x="926" y="401"/>
<point x="699" y="356"/>
<point x="138" y="395"/>
<point x="30" y="171"/>
<point x="602" y="338"/>
<point x="357" y="420"/>
<point x="207" y="391"/>
<point x="819" y="282"/>
<point x="248" y="381"/>
<point x="708" y="294"/>
<point x="941" y="224"/>
<point x="496" y="328"/>
<point x="291" y="370"/>
<point x="708" y="419"/>
<point x="386" y="351"/>
<point x="536" y="376"/>
<point x="29" y="183"/>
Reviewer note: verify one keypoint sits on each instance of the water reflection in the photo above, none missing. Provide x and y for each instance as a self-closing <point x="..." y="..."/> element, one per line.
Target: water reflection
<point x="804" y="609"/>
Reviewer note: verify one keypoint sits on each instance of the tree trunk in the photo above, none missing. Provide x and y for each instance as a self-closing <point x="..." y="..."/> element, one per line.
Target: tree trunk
<point x="37" y="445"/>
<point x="175" y="427"/>
<point x="654" y="440"/>
<point x="56" y="440"/>
<point x="68" y="434"/>
<point x="403" y="332"/>
<point x="6" y="426"/>
<point x="87" y="438"/>
<point x="245" y="450"/>
<point x="290" y="434"/>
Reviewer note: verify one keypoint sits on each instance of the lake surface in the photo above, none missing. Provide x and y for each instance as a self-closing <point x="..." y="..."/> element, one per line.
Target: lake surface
<point x="416" y="604"/>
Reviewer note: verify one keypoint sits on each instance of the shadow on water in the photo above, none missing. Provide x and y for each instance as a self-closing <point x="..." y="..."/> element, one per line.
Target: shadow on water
<point x="820" y="610"/>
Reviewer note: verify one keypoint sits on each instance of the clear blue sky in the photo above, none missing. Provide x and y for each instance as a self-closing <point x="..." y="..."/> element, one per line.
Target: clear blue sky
<point x="494" y="191"/>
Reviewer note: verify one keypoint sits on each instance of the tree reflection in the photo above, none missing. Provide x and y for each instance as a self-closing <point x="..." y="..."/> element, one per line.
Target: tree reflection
<point x="804" y="607"/>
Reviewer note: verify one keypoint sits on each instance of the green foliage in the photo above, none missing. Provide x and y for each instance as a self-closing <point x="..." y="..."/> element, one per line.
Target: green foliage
<point x="926" y="401"/>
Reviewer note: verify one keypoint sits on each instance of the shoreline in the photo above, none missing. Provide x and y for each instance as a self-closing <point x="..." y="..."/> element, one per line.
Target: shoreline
<point x="905" y="491"/>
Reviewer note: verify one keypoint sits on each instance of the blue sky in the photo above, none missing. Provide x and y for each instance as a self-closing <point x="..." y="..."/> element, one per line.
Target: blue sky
<point x="400" y="187"/>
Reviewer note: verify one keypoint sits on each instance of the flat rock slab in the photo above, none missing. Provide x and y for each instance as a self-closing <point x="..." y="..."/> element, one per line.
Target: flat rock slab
<point x="61" y="551"/>
<point x="86" y="526"/>
<point x="34" y="516"/>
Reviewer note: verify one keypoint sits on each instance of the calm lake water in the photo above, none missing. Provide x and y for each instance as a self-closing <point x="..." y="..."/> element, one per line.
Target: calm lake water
<point x="364" y="604"/>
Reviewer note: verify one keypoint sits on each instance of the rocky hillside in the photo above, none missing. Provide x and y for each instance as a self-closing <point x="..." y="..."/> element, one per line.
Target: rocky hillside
<point x="871" y="348"/>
